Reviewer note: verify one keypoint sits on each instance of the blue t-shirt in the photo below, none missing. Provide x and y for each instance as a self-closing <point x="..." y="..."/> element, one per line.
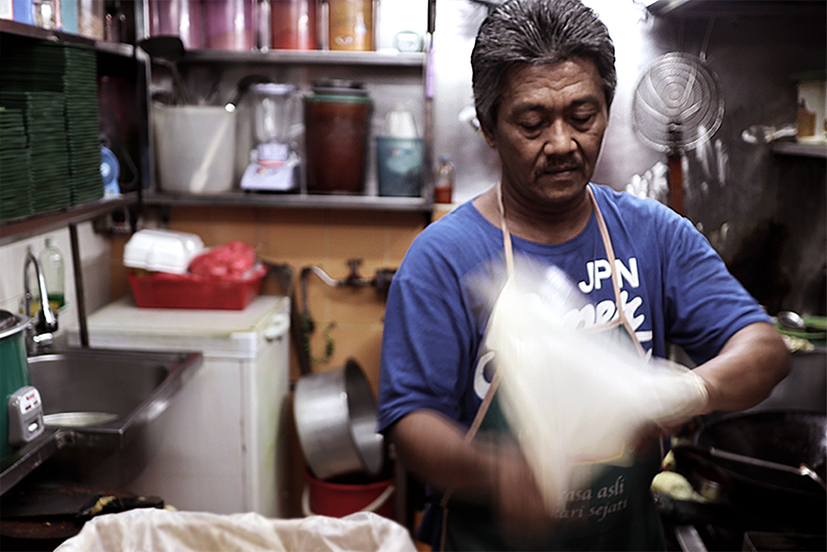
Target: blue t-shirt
<point x="674" y="289"/>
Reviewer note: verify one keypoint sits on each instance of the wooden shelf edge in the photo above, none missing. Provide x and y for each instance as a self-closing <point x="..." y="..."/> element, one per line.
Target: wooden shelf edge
<point x="800" y="148"/>
<point x="43" y="222"/>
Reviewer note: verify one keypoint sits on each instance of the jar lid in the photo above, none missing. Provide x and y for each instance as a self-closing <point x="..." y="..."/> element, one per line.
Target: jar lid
<point x="336" y="98"/>
<point x="332" y="87"/>
<point x="272" y="89"/>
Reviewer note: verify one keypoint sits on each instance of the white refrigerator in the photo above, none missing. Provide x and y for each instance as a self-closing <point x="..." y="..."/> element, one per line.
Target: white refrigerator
<point x="223" y="444"/>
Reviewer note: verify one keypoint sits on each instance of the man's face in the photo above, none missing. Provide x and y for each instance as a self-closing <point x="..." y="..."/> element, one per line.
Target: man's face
<point x="550" y="125"/>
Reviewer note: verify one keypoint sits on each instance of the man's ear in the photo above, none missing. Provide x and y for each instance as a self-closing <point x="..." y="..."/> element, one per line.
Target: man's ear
<point x="487" y="133"/>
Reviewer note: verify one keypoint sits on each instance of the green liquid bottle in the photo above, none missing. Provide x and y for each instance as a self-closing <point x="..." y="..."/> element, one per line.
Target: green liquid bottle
<point x="51" y="259"/>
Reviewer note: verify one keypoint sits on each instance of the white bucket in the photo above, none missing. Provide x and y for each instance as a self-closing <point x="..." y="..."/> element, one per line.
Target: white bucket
<point x="194" y="148"/>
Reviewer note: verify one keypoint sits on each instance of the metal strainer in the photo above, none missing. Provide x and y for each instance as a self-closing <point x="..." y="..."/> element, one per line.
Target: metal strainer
<point x="677" y="104"/>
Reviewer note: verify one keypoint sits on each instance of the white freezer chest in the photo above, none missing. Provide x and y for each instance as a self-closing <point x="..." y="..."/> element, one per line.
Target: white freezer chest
<point x="223" y="444"/>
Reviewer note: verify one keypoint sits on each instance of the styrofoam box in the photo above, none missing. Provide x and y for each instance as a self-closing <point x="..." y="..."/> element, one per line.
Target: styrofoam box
<point x="162" y="250"/>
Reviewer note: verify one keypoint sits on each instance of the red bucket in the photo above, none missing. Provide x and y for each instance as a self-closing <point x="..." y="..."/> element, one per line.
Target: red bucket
<point x="335" y="499"/>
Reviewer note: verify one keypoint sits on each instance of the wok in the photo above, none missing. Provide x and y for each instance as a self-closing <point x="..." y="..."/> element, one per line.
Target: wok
<point x="766" y="494"/>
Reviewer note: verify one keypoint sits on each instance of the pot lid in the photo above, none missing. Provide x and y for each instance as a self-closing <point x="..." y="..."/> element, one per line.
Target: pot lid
<point x="11" y="323"/>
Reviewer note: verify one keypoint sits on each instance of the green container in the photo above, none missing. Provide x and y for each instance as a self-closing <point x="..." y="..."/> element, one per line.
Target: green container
<point x="399" y="166"/>
<point x="14" y="369"/>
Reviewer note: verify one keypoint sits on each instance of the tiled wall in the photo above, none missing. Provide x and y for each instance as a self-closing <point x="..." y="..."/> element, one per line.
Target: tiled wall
<point x="325" y="238"/>
<point x="95" y="259"/>
<point x="322" y="238"/>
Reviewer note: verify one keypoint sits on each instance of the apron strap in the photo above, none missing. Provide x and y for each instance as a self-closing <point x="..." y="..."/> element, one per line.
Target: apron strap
<point x="610" y="255"/>
<point x="495" y="380"/>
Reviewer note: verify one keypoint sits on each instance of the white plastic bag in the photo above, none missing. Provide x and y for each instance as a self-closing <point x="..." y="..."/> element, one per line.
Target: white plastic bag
<point x="574" y="398"/>
<point x="168" y="531"/>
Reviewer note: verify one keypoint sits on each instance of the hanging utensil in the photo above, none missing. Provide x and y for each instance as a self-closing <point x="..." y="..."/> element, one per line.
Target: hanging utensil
<point x="677" y="106"/>
<point x="166" y="50"/>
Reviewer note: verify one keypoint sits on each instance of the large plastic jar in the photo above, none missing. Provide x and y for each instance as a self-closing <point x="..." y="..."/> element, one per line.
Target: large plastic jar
<point x="177" y="17"/>
<point x="350" y="25"/>
<point x="293" y="24"/>
<point x="337" y="126"/>
<point x="91" y="14"/>
<point x="230" y="24"/>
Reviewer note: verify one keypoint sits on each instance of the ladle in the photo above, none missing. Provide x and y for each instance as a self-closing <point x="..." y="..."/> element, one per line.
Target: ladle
<point x="244" y="84"/>
<point x="803" y="469"/>
<point x="791" y="321"/>
<point x="166" y="50"/>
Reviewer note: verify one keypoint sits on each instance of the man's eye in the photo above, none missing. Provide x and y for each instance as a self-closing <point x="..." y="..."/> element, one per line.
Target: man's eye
<point x="582" y="118"/>
<point x="531" y="126"/>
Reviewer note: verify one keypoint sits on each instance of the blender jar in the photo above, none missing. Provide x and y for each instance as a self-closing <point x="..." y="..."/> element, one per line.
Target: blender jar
<point x="274" y="163"/>
<point x="274" y="112"/>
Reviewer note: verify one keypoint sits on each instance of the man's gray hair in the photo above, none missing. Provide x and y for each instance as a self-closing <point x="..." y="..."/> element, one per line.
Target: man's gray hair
<point x="536" y="32"/>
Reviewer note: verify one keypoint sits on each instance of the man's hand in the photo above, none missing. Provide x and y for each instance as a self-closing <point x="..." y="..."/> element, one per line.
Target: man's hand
<point x="518" y="501"/>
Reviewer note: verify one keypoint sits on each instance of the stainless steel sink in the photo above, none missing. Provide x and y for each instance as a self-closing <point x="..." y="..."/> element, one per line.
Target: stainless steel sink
<point x="102" y="395"/>
<point x="97" y="403"/>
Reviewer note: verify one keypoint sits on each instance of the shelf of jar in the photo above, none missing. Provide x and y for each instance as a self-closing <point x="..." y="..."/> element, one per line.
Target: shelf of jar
<point x="31" y="31"/>
<point x="297" y="200"/>
<point x="307" y="57"/>
<point x="39" y="223"/>
<point x="802" y="149"/>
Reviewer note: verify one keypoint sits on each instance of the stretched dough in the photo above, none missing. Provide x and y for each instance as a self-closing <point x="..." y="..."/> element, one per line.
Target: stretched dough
<point x="571" y="397"/>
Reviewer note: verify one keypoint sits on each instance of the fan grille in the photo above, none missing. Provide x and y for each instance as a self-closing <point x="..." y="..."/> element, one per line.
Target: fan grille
<point x="677" y="103"/>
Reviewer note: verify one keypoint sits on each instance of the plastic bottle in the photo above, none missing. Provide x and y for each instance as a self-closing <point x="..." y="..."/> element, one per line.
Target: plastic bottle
<point x="51" y="259"/>
<point x="444" y="184"/>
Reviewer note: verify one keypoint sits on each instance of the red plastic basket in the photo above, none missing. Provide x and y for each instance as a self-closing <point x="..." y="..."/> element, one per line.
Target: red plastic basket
<point x="189" y="291"/>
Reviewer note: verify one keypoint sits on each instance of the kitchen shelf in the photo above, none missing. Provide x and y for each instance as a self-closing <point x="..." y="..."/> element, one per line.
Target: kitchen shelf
<point x="752" y="8"/>
<point x="306" y="57"/>
<point x="392" y="77"/>
<point x="308" y="201"/>
<point x="38" y="33"/>
<point x="14" y="230"/>
<point x="38" y="223"/>
<point x="800" y="149"/>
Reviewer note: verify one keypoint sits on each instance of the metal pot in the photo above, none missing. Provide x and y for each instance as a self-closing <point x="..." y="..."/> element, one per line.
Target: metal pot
<point x="21" y="416"/>
<point x="335" y="415"/>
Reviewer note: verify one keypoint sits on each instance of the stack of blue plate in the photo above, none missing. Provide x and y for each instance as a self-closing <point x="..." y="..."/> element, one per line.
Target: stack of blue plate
<point x="15" y="180"/>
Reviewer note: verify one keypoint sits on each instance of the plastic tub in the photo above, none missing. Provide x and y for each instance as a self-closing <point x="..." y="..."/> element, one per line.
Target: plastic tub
<point x="194" y="148"/>
<point x="339" y="499"/>
<point x="189" y="291"/>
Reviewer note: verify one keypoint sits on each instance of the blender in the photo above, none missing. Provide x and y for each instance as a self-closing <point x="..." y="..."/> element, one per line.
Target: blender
<point x="274" y="163"/>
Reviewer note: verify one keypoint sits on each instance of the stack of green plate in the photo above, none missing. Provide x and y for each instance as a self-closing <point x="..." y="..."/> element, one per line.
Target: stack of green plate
<point x="43" y="113"/>
<point x="80" y="87"/>
<point x="69" y="71"/>
<point x="15" y="182"/>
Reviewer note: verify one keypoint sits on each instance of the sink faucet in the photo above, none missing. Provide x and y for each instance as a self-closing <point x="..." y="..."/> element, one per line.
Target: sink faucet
<point x="46" y="323"/>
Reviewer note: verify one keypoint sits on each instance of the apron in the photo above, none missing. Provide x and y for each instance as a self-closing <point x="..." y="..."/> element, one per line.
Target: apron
<point x="618" y="501"/>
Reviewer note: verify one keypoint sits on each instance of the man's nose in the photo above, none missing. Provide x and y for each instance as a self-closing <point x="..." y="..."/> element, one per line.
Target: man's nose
<point x="558" y="139"/>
